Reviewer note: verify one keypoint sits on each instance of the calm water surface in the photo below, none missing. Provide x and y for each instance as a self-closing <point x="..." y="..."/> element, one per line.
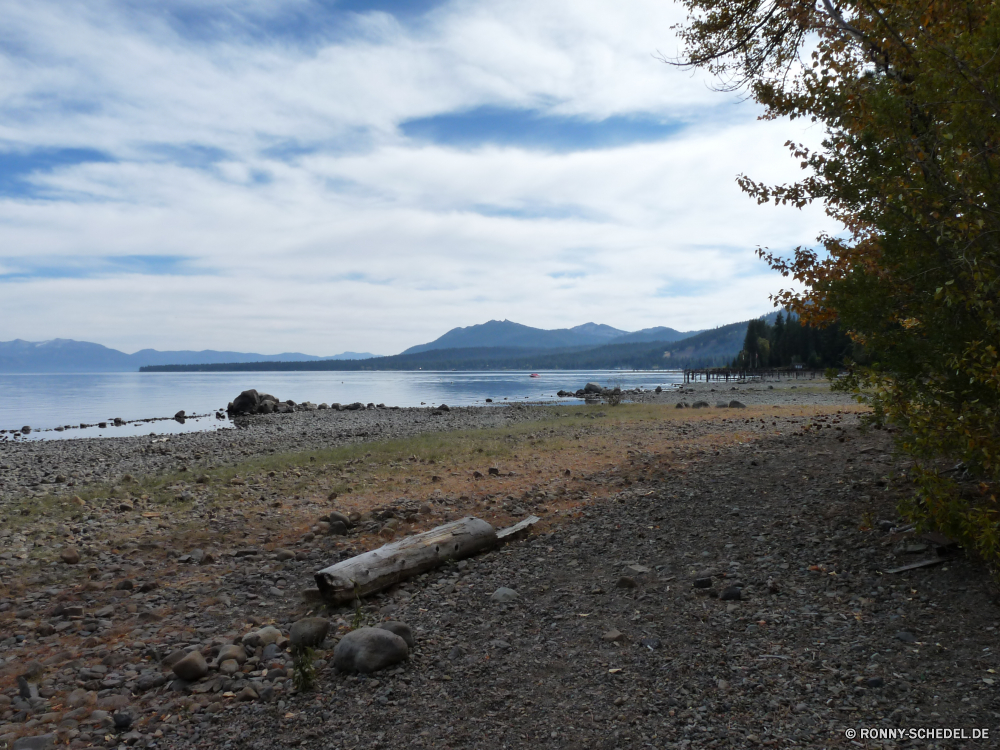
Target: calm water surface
<point x="44" y="401"/>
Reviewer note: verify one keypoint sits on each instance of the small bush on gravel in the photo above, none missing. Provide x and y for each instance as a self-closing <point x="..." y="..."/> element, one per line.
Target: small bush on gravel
<point x="303" y="669"/>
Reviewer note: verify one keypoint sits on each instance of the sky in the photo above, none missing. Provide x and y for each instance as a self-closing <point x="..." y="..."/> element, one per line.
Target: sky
<point x="324" y="175"/>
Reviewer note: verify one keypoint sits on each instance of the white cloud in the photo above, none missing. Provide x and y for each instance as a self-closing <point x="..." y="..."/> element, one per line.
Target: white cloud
<point x="387" y="245"/>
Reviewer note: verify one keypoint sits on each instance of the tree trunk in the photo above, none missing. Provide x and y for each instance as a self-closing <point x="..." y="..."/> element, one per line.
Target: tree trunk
<point x="395" y="562"/>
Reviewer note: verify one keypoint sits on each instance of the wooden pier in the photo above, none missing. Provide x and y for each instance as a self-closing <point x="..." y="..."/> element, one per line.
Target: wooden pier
<point x="747" y="375"/>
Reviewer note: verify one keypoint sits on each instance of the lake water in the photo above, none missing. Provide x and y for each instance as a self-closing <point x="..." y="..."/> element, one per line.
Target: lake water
<point x="46" y="400"/>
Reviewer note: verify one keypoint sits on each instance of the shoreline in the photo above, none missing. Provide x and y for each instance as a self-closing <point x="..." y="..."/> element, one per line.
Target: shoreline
<point x="698" y="576"/>
<point x="64" y="467"/>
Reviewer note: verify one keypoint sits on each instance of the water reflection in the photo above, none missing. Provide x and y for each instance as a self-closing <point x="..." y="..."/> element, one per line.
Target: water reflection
<point x="44" y="401"/>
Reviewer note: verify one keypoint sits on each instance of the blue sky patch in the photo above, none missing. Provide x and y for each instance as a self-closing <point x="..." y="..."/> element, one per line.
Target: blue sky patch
<point x="537" y="211"/>
<point x="17" y="167"/>
<point x="533" y="129"/>
<point x="190" y="155"/>
<point x="304" y="23"/>
<point x="684" y="288"/>
<point x="28" y="268"/>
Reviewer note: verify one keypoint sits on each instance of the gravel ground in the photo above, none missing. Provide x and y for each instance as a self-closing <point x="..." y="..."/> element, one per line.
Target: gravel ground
<point x="610" y="643"/>
<point x="720" y="579"/>
<point x="63" y="466"/>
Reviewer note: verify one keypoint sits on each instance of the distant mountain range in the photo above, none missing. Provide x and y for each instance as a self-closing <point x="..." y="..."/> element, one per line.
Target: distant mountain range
<point x="494" y="345"/>
<point x="66" y="355"/>
<point x="709" y="348"/>
<point x="505" y="333"/>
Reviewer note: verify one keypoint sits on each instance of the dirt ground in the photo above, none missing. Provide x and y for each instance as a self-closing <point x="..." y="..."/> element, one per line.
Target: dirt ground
<point x="622" y="635"/>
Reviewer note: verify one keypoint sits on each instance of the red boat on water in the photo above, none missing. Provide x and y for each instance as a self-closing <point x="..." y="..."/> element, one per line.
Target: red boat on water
<point x="534" y="375"/>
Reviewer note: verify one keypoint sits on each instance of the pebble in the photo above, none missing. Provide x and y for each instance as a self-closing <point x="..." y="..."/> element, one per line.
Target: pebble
<point x="232" y="651"/>
<point x="504" y="595"/>
<point x="37" y="742"/>
<point x="192" y="667"/>
<point x="731" y="594"/>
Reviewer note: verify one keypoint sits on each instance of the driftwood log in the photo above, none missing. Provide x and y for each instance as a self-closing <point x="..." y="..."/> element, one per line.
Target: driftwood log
<point x="375" y="570"/>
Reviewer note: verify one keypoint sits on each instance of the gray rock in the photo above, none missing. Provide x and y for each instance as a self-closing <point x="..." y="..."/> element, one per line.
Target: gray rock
<point x="229" y="667"/>
<point x="737" y="405"/>
<point x="369" y="650"/>
<point x="232" y="651"/>
<point x="592" y="388"/>
<point x="122" y="721"/>
<point x="80" y="697"/>
<point x="503" y="595"/>
<point x="336" y="516"/>
<point x="38" y="742"/>
<point x="266" y="635"/>
<point x="309" y="632"/>
<point x="246" y="403"/>
<point x="699" y="405"/>
<point x="284" y="554"/>
<point x="906" y="636"/>
<point x="703" y="583"/>
<point x="401" y="629"/>
<point x="271" y="651"/>
<point x="192" y="667"/>
<point x="731" y="593"/>
<point x="173" y="657"/>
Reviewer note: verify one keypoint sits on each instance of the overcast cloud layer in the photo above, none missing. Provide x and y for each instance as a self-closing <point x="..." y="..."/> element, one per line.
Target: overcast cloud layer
<point x="308" y="175"/>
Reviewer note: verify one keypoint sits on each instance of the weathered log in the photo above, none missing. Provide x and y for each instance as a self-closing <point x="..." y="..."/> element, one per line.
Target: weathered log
<point x="375" y="570"/>
<point x="518" y="530"/>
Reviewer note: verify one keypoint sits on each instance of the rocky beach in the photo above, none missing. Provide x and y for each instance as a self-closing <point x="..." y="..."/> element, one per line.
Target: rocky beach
<point x="711" y="576"/>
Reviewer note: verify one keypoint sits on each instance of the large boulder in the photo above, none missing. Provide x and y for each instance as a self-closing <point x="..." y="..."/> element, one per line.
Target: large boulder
<point x="369" y="650"/>
<point x="246" y="403"/>
<point x="401" y="629"/>
<point x="593" y="388"/>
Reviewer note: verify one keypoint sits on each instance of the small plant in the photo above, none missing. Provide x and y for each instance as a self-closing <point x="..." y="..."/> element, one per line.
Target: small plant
<point x="359" y="620"/>
<point x="303" y="669"/>
<point x="867" y="521"/>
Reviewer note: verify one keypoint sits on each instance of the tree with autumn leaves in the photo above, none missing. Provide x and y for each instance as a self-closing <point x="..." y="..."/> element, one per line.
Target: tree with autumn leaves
<point x="909" y="95"/>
